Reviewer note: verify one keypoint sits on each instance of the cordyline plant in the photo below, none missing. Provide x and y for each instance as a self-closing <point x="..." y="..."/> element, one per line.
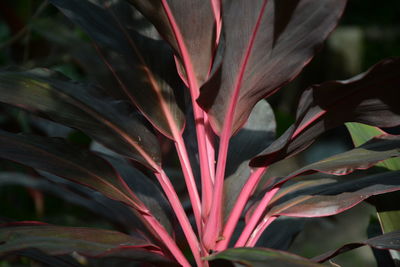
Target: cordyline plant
<point x="197" y="72"/>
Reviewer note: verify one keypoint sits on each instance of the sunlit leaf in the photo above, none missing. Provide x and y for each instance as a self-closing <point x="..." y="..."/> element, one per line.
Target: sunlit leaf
<point x="267" y="43"/>
<point x="371" y="98"/>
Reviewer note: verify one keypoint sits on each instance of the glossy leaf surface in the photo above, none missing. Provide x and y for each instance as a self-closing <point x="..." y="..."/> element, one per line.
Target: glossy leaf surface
<point x="56" y="240"/>
<point x="386" y="241"/>
<point x="267" y="43"/>
<point x="370" y="98"/>
<point x="56" y="156"/>
<point x="258" y="257"/>
<point x="142" y="65"/>
<point x="47" y="93"/>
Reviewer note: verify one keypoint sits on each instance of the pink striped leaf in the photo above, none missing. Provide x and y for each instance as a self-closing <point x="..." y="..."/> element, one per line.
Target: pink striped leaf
<point x="141" y="63"/>
<point x="59" y="157"/>
<point x="335" y="197"/>
<point x="87" y="242"/>
<point x="370" y="98"/>
<point x="190" y="27"/>
<point x="267" y="43"/>
<point x="53" y="96"/>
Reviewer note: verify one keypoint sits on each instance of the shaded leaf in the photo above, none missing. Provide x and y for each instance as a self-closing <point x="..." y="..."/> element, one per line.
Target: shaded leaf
<point x="142" y="66"/>
<point x="146" y="190"/>
<point x="370" y="98"/>
<point x="255" y="136"/>
<point x="76" y="194"/>
<point x="267" y="44"/>
<point x="57" y="240"/>
<point x="47" y="93"/>
<point x="262" y="257"/>
<point x="56" y="156"/>
<point x="386" y="241"/>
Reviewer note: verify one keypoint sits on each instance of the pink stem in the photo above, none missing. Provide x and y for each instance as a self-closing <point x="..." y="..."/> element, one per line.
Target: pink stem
<point x="240" y="204"/>
<point x="189" y="179"/>
<point x="255" y="218"/>
<point x="252" y="241"/>
<point x="166" y="239"/>
<point x="181" y="215"/>
<point x="194" y="92"/>
<point x="214" y="223"/>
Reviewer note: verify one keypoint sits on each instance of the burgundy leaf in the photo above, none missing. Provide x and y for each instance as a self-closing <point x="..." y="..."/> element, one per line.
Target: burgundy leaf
<point x="56" y="156"/>
<point x="386" y="241"/>
<point x="334" y="198"/>
<point x="142" y="65"/>
<point x="262" y="257"/>
<point x="370" y="98"/>
<point x="51" y="95"/>
<point x="190" y="28"/>
<point x="87" y="242"/>
<point x="363" y="157"/>
<point x="267" y="44"/>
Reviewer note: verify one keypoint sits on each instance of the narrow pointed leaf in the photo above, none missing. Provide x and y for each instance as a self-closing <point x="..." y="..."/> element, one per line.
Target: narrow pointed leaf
<point x="56" y="156"/>
<point x="386" y="241"/>
<point x="75" y="194"/>
<point x="46" y="93"/>
<point x="142" y="65"/>
<point x="370" y="98"/>
<point x="189" y="27"/>
<point x="334" y="198"/>
<point x="387" y="206"/>
<point x="268" y="42"/>
<point x="56" y="240"/>
<point x="258" y="257"/>
<point x="360" y="158"/>
<point x="146" y="190"/>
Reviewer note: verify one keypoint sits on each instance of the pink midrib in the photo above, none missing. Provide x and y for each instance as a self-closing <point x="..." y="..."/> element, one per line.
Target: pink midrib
<point x="216" y="212"/>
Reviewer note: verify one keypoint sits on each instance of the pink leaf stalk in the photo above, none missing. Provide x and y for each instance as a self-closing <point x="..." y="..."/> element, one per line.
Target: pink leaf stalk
<point x="255" y="218"/>
<point x="239" y="206"/>
<point x="214" y="223"/>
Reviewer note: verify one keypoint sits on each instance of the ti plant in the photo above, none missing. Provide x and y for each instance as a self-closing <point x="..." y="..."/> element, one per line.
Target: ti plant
<point x="195" y="73"/>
